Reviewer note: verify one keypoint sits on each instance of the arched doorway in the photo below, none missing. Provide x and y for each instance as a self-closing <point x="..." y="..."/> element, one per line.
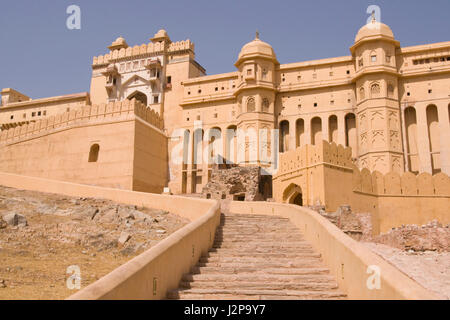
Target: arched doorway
<point x="298" y="200"/>
<point x="293" y="194"/>
<point x="139" y="96"/>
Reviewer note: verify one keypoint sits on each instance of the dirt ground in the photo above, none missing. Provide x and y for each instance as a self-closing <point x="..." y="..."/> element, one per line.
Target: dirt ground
<point x="431" y="269"/>
<point x="420" y="252"/>
<point x="64" y="231"/>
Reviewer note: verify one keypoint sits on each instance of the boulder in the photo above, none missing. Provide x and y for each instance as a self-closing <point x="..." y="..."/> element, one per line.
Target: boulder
<point x="15" y="219"/>
<point x="124" y="237"/>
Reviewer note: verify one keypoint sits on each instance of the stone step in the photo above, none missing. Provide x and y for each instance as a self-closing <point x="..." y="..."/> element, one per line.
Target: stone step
<point x="232" y="270"/>
<point x="263" y="255"/>
<point x="249" y="251"/>
<point x="261" y="265"/>
<point x="252" y="277"/>
<point x="250" y="246"/>
<point x="259" y="259"/>
<point x="248" y="228"/>
<point x="263" y="243"/>
<point x="273" y="294"/>
<point x="258" y="236"/>
<point x="252" y="216"/>
<point x="257" y="285"/>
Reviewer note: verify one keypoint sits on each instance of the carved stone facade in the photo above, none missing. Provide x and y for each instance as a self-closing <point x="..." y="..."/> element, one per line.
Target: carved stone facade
<point x="389" y="104"/>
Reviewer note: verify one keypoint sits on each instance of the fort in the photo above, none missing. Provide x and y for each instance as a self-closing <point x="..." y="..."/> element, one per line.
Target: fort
<point x="370" y="130"/>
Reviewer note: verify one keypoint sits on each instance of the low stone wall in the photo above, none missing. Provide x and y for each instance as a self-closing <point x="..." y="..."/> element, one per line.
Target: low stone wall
<point x="157" y="270"/>
<point x="348" y="260"/>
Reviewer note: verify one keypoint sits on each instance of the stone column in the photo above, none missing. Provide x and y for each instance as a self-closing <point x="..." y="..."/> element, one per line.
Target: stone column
<point x="444" y="134"/>
<point x="292" y="129"/>
<point x="423" y="143"/>
<point x="325" y="128"/>
<point x="341" y="129"/>
<point x="307" y="124"/>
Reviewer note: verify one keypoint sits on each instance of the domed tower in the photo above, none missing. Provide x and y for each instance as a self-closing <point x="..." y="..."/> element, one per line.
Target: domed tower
<point x="255" y="95"/>
<point x="378" y="108"/>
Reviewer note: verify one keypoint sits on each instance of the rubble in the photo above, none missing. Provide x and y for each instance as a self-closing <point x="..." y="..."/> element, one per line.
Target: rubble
<point x="238" y="183"/>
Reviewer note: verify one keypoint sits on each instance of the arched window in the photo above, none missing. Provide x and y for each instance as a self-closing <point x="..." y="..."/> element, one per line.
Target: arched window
<point x="250" y="104"/>
<point x="93" y="153"/>
<point x="333" y="129"/>
<point x="373" y="57"/>
<point x="375" y="89"/>
<point x="411" y="139"/>
<point x="265" y="105"/>
<point x="434" y="137"/>
<point x="316" y="130"/>
<point x="362" y="94"/>
<point x="284" y="136"/>
<point x="390" y="90"/>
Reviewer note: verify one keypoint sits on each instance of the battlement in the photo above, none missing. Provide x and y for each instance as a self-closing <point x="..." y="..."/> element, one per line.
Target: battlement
<point x="394" y="184"/>
<point x="310" y="155"/>
<point x="141" y="51"/>
<point x="84" y="115"/>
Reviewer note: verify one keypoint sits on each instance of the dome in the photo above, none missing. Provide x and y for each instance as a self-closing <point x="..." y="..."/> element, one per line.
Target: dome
<point x="118" y="44"/>
<point x="119" y="40"/>
<point x="257" y="47"/>
<point x="161" y="34"/>
<point x="374" y="29"/>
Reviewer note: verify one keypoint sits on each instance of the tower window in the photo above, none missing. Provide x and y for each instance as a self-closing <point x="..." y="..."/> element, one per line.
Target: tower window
<point x="93" y="153"/>
<point x="348" y="71"/>
<point x="169" y="79"/>
<point x="373" y="58"/>
<point x="315" y="104"/>
<point x="12" y="117"/>
<point x="408" y="94"/>
<point x="217" y="88"/>
<point x="430" y="91"/>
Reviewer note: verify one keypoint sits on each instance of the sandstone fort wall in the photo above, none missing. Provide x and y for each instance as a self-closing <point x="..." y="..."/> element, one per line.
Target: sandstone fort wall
<point x="60" y="147"/>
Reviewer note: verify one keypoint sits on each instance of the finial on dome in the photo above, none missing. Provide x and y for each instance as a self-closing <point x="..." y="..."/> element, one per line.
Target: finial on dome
<point x="373" y="16"/>
<point x="257" y="35"/>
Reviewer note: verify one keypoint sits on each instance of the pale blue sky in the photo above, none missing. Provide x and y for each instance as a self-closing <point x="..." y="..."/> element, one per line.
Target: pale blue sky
<point x="41" y="57"/>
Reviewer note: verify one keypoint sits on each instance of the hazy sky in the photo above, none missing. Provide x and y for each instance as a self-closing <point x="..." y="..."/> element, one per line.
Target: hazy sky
<point x="40" y="57"/>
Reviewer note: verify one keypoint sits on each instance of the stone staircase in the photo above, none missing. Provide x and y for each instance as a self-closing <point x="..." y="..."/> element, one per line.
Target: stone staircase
<point x="258" y="257"/>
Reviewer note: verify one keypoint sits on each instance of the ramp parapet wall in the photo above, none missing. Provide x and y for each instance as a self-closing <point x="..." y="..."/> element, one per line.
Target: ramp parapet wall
<point x="157" y="270"/>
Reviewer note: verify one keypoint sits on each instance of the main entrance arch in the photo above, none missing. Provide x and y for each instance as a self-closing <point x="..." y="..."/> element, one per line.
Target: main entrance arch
<point x="293" y="194"/>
